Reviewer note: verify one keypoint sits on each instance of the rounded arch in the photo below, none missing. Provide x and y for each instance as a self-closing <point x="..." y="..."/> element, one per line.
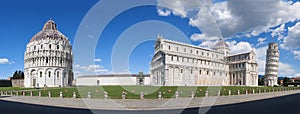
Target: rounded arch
<point x="70" y="77"/>
<point x="33" y="72"/>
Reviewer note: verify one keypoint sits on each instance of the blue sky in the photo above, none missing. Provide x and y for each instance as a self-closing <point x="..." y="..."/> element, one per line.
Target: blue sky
<point x="243" y="29"/>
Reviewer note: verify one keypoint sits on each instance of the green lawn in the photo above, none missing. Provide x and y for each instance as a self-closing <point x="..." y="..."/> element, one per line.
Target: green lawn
<point x="133" y="92"/>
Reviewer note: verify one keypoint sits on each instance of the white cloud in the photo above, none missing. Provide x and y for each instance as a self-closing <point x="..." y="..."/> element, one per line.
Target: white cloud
<point x="279" y="31"/>
<point x="89" y="70"/>
<point x="297" y="54"/>
<point x="234" y="16"/>
<point x="286" y="69"/>
<point x="5" y="61"/>
<point x="261" y="41"/>
<point x="162" y="12"/>
<point x="178" y="7"/>
<point x="296" y="75"/>
<point x="98" y="60"/>
<point x="207" y="44"/>
<point x="241" y="47"/>
<point x="261" y="59"/>
<point x="203" y="37"/>
<point x="292" y="40"/>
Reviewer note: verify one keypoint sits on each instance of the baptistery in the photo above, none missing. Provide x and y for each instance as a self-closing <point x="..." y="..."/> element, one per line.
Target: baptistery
<point x="48" y="59"/>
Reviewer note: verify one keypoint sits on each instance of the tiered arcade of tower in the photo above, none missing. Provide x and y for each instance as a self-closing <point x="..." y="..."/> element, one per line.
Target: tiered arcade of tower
<point x="272" y="61"/>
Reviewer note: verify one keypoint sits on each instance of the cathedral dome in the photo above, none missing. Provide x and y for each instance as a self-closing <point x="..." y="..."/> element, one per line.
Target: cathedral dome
<point x="222" y="47"/>
<point x="221" y="43"/>
<point x="49" y="31"/>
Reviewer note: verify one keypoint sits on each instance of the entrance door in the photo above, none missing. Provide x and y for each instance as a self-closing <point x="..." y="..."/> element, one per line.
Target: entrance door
<point x="33" y="82"/>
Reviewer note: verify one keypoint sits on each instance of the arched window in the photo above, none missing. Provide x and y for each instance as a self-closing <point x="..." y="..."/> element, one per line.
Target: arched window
<point x="49" y="46"/>
<point x="49" y="74"/>
<point x="57" y="75"/>
<point x="41" y="74"/>
<point x="57" y="46"/>
<point x="42" y="46"/>
<point x="47" y="60"/>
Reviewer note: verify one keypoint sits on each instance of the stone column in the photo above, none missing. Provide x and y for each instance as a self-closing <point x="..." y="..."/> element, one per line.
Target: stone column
<point x="192" y="94"/>
<point x="74" y="95"/>
<point x="105" y="95"/>
<point x="229" y="92"/>
<point x="61" y="95"/>
<point x="40" y="94"/>
<point x="49" y="94"/>
<point x="31" y="93"/>
<point x="124" y="95"/>
<point x="238" y="92"/>
<point x="89" y="95"/>
<point x="142" y="96"/>
<point x="159" y="95"/>
<point x="176" y="95"/>
<point x="206" y="93"/>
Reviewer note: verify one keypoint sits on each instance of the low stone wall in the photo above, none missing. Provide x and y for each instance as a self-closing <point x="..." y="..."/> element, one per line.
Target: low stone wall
<point x="5" y="83"/>
<point x="17" y="82"/>
<point x="147" y="104"/>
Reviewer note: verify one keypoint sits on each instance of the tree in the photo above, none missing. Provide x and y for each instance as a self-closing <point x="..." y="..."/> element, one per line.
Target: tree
<point x="261" y="81"/>
<point x="286" y="79"/>
<point x="18" y="75"/>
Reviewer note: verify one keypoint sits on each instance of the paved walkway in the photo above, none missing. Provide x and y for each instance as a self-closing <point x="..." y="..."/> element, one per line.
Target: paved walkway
<point x="148" y="104"/>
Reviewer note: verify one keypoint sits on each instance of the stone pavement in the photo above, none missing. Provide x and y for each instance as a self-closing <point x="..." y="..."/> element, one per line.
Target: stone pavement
<point x="146" y="104"/>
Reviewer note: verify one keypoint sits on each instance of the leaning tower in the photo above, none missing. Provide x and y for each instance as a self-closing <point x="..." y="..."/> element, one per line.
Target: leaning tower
<point x="272" y="60"/>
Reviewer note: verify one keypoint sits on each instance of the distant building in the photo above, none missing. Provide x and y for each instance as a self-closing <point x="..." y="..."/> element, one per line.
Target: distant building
<point x="48" y="59"/>
<point x="17" y="82"/>
<point x="113" y="79"/>
<point x="179" y="64"/>
<point x="272" y="61"/>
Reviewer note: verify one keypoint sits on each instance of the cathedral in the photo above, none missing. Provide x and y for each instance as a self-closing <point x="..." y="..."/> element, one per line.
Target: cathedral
<point x="179" y="64"/>
<point x="48" y="59"/>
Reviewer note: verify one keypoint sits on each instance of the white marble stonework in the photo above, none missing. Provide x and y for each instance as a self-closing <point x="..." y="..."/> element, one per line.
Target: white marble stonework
<point x="272" y="61"/>
<point x="48" y="59"/>
<point x="179" y="64"/>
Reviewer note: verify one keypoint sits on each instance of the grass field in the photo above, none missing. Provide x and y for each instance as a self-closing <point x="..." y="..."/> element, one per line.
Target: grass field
<point x="151" y="92"/>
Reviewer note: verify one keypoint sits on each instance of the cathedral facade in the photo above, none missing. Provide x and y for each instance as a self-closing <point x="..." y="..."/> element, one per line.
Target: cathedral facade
<point x="48" y="59"/>
<point x="179" y="64"/>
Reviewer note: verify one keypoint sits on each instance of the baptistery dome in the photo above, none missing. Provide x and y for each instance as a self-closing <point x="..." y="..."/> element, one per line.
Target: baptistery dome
<point x="48" y="59"/>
